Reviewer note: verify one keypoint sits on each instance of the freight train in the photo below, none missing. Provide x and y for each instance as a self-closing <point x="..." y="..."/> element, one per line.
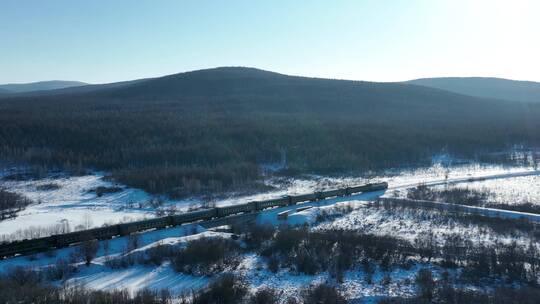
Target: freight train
<point x="108" y="232"/>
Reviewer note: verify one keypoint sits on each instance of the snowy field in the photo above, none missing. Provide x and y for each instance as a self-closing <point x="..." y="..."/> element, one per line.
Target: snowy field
<point x="252" y="267"/>
<point x="409" y="224"/>
<point x="74" y="204"/>
<point x="350" y="213"/>
<point x="517" y="190"/>
<point x="341" y="213"/>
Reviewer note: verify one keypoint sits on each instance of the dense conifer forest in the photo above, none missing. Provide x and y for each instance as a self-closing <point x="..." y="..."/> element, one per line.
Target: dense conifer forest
<point x="211" y="130"/>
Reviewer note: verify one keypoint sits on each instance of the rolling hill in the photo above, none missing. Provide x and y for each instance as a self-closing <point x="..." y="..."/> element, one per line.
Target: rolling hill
<point x="210" y="130"/>
<point x="39" y="86"/>
<point x="526" y="91"/>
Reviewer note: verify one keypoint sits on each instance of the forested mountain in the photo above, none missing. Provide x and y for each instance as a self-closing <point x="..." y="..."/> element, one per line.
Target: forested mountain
<point x="526" y="91"/>
<point x="86" y="88"/>
<point x="210" y="130"/>
<point x="39" y="86"/>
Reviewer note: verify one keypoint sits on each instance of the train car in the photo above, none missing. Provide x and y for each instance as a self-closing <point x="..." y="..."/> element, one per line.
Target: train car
<point x="254" y="206"/>
<point x="107" y="232"/>
<point x="25" y="246"/>
<point x="66" y="239"/>
<point x="276" y="202"/>
<point x="289" y="200"/>
<point x="357" y="189"/>
<point x="156" y="223"/>
<point x="303" y="198"/>
<point x="234" y="209"/>
<point x="370" y="187"/>
<point x="333" y="193"/>
<point x="379" y="186"/>
<point x="205" y="214"/>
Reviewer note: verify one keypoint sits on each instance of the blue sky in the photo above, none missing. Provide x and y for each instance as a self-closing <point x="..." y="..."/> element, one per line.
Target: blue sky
<point x="103" y="41"/>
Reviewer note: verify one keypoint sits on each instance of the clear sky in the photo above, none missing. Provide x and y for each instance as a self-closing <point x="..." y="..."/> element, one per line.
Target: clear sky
<point x="381" y="40"/>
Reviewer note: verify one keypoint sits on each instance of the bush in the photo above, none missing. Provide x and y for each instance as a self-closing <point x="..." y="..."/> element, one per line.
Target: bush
<point x="322" y="294"/>
<point x="228" y="289"/>
<point x="62" y="270"/>
<point x="156" y="255"/>
<point x="88" y="250"/>
<point x="256" y="235"/>
<point x="206" y="256"/>
<point x="11" y="202"/>
<point x="101" y="190"/>
<point x="21" y="285"/>
<point x="48" y="187"/>
<point x="264" y="295"/>
<point x="426" y="284"/>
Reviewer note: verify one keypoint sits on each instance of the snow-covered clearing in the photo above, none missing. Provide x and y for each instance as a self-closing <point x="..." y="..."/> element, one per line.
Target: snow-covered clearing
<point x="74" y="204"/>
<point x="354" y="284"/>
<point x="407" y="224"/>
<point x="341" y="213"/>
<point x="517" y="190"/>
<point x="253" y="268"/>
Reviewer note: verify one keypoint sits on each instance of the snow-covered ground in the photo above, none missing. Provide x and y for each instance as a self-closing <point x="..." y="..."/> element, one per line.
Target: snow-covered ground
<point x="353" y="213"/>
<point x="74" y="205"/>
<point x="408" y="224"/>
<point x="354" y="285"/>
<point x="517" y="190"/>
<point x="252" y="267"/>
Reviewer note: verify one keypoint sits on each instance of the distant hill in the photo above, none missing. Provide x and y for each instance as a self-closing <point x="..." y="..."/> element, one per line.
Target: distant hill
<point x="39" y="86"/>
<point x="526" y="91"/>
<point x="77" y="90"/>
<point x="210" y="130"/>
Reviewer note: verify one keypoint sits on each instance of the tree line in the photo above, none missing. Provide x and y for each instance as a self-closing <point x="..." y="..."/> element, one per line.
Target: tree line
<point x="11" y="203"/>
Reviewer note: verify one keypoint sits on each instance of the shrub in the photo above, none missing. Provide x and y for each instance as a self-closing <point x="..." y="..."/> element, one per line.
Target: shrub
<point x="256" y="235"/>
<point x="322" y="294"/>
<point x="62" y="270"/>
<point x="11" y="202"/>
<point x="206" y="256"/>
<point x="228" y="289"/>
<point x="426" y="284"/>
<point x="88" y="250"/>
<point x="101" y="190"/>
<point x="264" y="295"/>
<point x="48" y="187"/>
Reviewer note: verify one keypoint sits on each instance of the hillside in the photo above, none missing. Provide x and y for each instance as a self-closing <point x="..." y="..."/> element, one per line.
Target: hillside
<point x="39" y="86"/>
<point x="210" y="130"/>
<point x="526" y="91"/>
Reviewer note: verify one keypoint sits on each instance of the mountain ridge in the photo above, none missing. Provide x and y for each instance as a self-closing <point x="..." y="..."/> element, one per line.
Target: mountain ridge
<point x="46" y="85"/>
<point x="234" y="76"/>
<point x="485" y="87"/>
<point x="201" y="131"/>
